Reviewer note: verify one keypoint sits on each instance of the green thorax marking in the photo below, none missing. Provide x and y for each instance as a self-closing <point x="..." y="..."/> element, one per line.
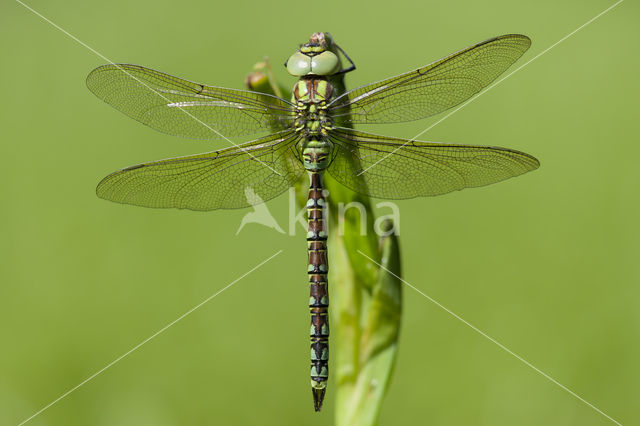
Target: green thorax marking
<point x="311" y="96"/>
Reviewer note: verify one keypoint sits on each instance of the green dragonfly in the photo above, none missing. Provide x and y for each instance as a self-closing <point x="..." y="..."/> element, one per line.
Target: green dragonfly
<point x="311" y="133"/>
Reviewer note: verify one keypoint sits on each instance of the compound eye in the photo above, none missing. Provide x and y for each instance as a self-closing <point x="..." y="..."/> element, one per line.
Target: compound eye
<point x="299" y="64"/>
<point x="326" y="63"/>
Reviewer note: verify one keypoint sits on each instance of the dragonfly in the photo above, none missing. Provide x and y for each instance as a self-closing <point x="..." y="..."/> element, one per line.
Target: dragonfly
<point x="313" y="134"/>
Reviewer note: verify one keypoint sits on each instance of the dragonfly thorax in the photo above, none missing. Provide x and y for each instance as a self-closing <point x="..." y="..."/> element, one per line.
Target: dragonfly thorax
<point x="311" y="97"/>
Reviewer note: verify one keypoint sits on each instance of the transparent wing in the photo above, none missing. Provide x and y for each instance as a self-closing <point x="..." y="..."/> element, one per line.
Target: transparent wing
<point x="226" y="179"/>
<point x="431" y="89"/>
<point x="385" y="167"/>
<point x="184" y="108"/>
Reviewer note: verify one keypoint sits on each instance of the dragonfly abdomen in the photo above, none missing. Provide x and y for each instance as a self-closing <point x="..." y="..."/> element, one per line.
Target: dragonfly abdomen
<point x="317" y="269"/>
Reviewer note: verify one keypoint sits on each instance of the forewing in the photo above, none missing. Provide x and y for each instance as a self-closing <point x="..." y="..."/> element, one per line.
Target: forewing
<point x="431" y="89"/>
<point x="385" y="167"/>
<point x="226" y="179"/>
<point x="184" y="108"/>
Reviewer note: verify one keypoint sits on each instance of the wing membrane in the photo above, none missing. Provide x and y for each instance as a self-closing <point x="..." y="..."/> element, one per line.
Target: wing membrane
<point x="434" y="88"/>
<point x="385" y="167"/>
<point x="184" y="108"/>
<point x="226" y="179"/>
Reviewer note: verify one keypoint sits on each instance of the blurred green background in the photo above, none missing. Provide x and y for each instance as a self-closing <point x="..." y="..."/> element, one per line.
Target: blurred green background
<point x="546" y="263"/>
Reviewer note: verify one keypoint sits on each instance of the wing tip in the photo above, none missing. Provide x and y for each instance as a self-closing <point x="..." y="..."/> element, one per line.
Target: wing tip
<point x="113" y="66"/>
<point x="524" y="39"/>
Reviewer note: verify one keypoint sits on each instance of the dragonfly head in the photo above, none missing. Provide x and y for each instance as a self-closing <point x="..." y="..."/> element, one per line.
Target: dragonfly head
<point x="314" y="58"/>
